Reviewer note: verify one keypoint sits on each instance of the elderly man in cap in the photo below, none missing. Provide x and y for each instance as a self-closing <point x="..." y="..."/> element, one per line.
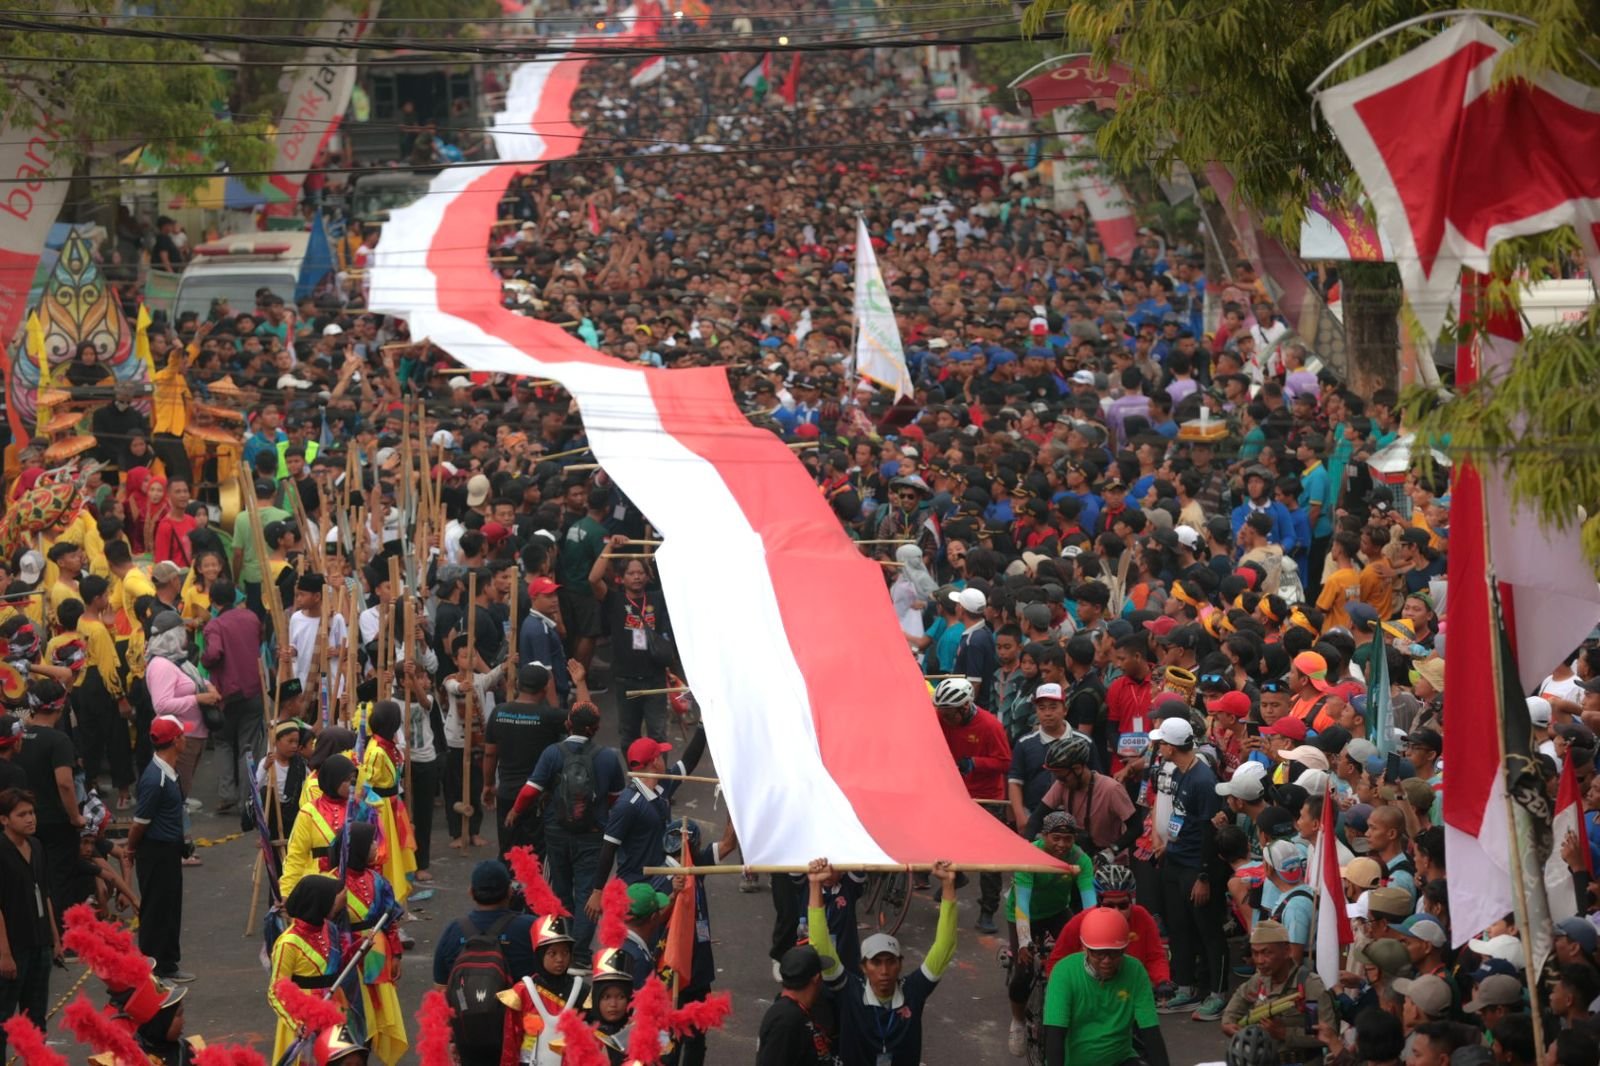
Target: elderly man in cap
<point x="155" y="843"/>
<point x="1279" y="980"/>
<point x="880" y="1009"/>
<point x="789" y="1035"/>
<point x="1387" y="907"/>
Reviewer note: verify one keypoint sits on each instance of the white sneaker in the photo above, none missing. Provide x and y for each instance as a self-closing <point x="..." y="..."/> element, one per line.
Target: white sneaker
<point x="1017" y="1039"/>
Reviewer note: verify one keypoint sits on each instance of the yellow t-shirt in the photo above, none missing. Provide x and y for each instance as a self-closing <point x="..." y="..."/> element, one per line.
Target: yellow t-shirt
<point x="1337" y="588"/>
<point x="170" y="402"/>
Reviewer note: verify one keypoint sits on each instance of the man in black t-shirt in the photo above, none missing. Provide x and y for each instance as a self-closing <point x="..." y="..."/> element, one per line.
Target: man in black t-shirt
<point x="12" y="775"/>
<point x="790" y="1033"/>
<point x="516" y="735"/>
<point x="636" y="617"/>
<point x="48" y="758"/>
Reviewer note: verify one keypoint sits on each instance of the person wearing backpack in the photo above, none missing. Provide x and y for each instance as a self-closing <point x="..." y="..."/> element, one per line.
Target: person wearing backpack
<point x="576" y="781"/>
<point x="478" y="956"/>
<point x="1286" y="868"/>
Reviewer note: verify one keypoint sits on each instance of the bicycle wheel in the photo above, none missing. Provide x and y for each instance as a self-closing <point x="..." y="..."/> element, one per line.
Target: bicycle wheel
<point x="893" y="903"/>
<point x="1035" y="1015"/>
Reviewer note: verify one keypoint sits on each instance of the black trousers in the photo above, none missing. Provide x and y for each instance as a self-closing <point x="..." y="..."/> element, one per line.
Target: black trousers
<point x="103" y="734"/>
<point x="419" y="802"/>
<point x="60" y="843"/>
<point x="1199" y="949"/>
<point x="29" y="992"/>
<point x="788" y="903"/>
<point x="452" y="793"/>
<point x="529" y="829"/>
<point x="173" y="456"/>
<point x="159" y="865"/>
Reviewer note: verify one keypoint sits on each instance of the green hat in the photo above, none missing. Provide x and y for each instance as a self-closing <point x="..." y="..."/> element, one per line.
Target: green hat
<point x="644" y="901"/>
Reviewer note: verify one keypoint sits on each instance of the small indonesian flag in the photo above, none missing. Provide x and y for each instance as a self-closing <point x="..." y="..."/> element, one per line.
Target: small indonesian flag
<point x="1333" y="921"/>
<point x="648" y="72"/>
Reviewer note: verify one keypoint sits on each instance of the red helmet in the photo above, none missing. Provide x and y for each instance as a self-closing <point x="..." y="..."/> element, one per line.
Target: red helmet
<point x="1104" y="929"/>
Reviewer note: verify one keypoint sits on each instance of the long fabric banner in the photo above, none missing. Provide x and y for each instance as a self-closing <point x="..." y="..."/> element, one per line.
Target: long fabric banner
<point x="30" y="157"/>
<point x="317" y="102"/>
<point x="818" y="719"/>
<point x="879" y="354"/>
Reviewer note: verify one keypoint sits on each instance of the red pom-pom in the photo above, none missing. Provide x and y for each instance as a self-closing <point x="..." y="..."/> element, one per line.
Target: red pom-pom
<point x="27" y="1043"/>
<point x="106" y="949"/>
<point x="312" y="1013"/>
<point x="541" y="898"/>
<point x="701" y="1016"/>
<point x="614" y="913"/>
<point x="103" y="1032"/>
<point x="433" y="1036"/>
<point x="582" y="1046"/>
<point x="229" y="1055"/>
<point x="652" y="1006"/>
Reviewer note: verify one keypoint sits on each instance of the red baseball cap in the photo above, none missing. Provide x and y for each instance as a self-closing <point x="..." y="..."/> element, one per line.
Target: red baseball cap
<point x="644" y="749"/>
<point x="1293" y="728"/>
<point x="494" y="532"/>
<point x="1315" y="667"/>
<point x="1162" y="626"/>
<point x="166" y="729"/>
<point x="1234" y="703"/>
<point x="542" y="586"/>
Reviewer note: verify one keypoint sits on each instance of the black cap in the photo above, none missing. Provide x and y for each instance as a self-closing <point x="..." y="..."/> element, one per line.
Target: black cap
<point x="533" y="677"/>
<point x="490" y="881"/>
<point x="310" y="583"/>
<point x="1425" y="738"/>
<point x="1275" y="823"/>
<point x="1331" y="740"/>
<point x="799" y="965"/>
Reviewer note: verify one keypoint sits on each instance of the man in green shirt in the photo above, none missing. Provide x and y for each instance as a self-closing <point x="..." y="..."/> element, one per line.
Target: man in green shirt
<point x="1097" y="999"/>
<point x="1038" y="906"/>
<point x="246" y="563"/>
<point x="581" y="544"/>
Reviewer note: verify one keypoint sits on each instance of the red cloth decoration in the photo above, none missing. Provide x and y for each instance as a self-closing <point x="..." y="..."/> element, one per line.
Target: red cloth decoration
<point x="433" y="1035"/>
<point x="541" y="898"/>
<point x="701" y="1016"/>
<point x="27" y="1043"/>
<point x="613" y="914"/>
<point x="103" y="1032"/>
<point x="312" y="1013"/>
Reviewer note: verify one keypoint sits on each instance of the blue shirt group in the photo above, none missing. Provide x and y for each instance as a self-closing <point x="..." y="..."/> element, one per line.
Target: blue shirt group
<point x="158" y="804"/>
<point x="638" y="823"/>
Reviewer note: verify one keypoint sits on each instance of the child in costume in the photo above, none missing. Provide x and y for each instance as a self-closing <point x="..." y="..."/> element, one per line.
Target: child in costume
<point x="310" y="955"/>
<point x="612" y="993"/>
<point x="368" y="898"/>
<point x="536" y="1001"/>
<point x="382" y="766"/>
<point x="319" y="819"/>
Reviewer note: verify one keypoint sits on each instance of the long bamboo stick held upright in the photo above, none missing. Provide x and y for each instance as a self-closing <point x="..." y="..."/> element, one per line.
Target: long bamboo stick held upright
<point x="469" y="705"/>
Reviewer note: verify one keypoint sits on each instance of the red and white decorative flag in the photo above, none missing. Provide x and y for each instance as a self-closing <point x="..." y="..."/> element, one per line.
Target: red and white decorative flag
<point x="648" y="72"/>
<point x="1453" y="166"/>
<point x="746" y="535"/>
<point x="1333" y="921"/>
<point x="1568" y="820"/>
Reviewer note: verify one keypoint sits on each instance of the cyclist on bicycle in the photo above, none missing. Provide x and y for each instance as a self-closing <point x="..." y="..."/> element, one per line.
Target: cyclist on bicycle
<point x="1099" y="999"/>
<point x="1037" y="906"/>
<point x="1099" y="803"/>
<point x="1113" y="887"/>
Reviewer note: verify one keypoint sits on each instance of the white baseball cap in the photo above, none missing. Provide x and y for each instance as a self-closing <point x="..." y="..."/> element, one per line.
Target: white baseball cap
<point x="1249" y="782"/>
<point x="970" y="600"/>
<point x="880" y="944"/>
<point x="1083" y="377"/>
<point x="1048" y="691"/>
<point x="1188" y="536"/>
<point x="1504" y="947"/>
<point x="1175" y="731"/>
<point x="1539" y="711"/>
<point x="460" y="382"/>
<point x="332" y="329"/>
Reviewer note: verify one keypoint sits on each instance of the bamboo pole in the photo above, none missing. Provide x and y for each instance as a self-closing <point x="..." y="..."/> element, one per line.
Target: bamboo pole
<point x="352" y="645"/>
<point x="408" y="619"/>
<point x="633" y="692"/>
<point x="255" y="885"/>
<point x="890" y="540"/>
<point x="679" y="777"/>
<point x="547" y="456"/>
<point x="858" y="868"/>
<point x="803" y="444"/>
<point x="468" y="705"/>
<point x="583" y="466"/>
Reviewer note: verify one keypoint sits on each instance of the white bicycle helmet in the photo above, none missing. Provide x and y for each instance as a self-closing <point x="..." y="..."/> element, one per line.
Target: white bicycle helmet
<point x="953" y="692"/>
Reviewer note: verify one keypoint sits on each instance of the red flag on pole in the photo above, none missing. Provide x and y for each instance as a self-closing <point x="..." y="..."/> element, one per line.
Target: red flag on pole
<point x="678" y="953"/>
<point x="790" y="89"/>
<point x="1333" y="921"/>
<point x="594" y="220"/>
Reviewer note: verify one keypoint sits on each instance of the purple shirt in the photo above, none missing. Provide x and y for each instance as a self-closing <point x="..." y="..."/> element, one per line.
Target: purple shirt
<point x="233" y="646"/>
<point x="1124" y="406"/>
<point x="1180" y="388"/>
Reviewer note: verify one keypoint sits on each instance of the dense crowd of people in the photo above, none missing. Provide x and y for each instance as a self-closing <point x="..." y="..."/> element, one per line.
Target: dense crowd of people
<point x="1168" y="614"/>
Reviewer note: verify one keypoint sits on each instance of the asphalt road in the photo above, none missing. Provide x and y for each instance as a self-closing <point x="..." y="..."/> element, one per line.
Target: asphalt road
<point x="966" y="1020"/>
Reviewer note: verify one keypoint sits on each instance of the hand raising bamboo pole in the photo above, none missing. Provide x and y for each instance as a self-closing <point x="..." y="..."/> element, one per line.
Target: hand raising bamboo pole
<point x="469" y="700"/>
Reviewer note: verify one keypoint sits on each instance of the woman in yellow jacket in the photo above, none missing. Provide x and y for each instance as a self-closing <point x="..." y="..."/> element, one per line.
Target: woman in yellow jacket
<point x="311" y="839"/>
<point x="368" y="898"/>
<point x="307" y="953"/>
<point x="381" y="769"/>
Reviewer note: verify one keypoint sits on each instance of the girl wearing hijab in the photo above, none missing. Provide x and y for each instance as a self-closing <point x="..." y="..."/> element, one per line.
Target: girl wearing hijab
<point x="144" y="496"/>
<point x="540" y="998"/>
<point x="382" y="765"/>
<point x="912" y="589"/>
<point x="368" y="897"/>
<point x="307" y="953"/>
<point x="334" y="740"/>
<point x="311" y="838"/>
<point x="612" y="984"/>
<point x="86" y="371"/>
<point x="176" y="688"/>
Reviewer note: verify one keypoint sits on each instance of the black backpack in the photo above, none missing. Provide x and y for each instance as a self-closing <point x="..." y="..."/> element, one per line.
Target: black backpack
<point x="1288" y="898"/>
<point x="477" y="1018"/>
<point x="574" y="800"/>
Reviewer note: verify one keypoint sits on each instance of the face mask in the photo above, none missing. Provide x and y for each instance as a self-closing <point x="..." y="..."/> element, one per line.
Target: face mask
<point x="121" y="406"/>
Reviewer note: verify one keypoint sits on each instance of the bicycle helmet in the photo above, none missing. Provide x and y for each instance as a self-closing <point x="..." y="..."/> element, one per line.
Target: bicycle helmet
<point x="1251" y="1046"/>
<point x="953" y="692"/>
<point x="1104" y="929"/>
<point x="1112" y="878"/>
<point x="1073" y="749"/>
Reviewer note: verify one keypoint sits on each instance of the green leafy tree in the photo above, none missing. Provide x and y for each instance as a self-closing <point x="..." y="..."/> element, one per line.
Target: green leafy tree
<point x="1225" y="81"/>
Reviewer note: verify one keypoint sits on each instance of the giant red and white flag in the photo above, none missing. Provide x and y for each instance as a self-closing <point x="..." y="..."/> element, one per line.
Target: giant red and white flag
<point x="1549" y="603"/>
<point x="783" y="625"/>
<point x="1452" y="166"/>
<point x="1333" y="921"/>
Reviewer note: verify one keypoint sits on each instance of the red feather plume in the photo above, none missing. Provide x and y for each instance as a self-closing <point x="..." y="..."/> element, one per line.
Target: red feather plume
<point x="613" y="914"/>
<point x="541" y="898"/>
<point x="103" y="1032"/>
<point x="229" y="1055"/>
<point x="311" y="1012"/>
<point x="27" y="1042"/>
<point x="433" y="1036"/>
<point x="583" y="1048"/>
<point x="652" y="1006"/>
<point x="106" y="949"/>
<point x="701" y="1016"/>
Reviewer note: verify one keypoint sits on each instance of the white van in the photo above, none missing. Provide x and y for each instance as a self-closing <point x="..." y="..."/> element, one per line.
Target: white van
<point x="233" y="268"/>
